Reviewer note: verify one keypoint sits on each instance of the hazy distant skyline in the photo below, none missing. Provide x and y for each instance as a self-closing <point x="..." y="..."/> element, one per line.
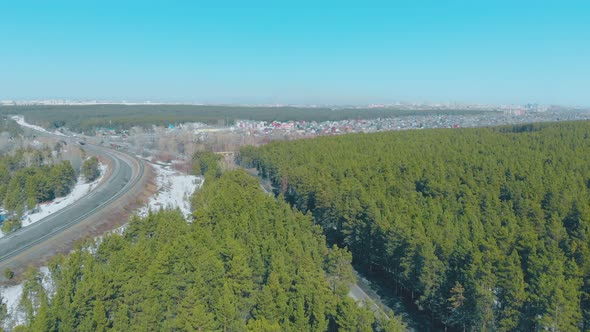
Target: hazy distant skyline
<point x="500" y="52"/>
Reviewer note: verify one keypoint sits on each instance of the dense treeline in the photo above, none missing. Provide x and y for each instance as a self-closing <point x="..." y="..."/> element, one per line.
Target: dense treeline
<point x="29" y="177"/>
<point x="246" y="262"/>
<point x="487" y="229"/>
<point x="206" y="163"/>
<point x="89" y="117"/>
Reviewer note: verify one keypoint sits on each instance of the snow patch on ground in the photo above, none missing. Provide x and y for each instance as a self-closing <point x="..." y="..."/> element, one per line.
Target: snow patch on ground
<point x="46" y="209"/>
<point x="21" y="121"/>
<point x="174" y="191"/>
<point x="11" y="297"/>
<point x="79" y="191"/>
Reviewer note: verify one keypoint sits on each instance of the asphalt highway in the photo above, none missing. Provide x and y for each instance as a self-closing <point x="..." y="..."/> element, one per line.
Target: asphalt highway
<point x="125" y="172"/>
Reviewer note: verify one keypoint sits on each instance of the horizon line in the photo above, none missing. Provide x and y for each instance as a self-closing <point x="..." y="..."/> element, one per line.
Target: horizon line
<point x="89" y="102"/>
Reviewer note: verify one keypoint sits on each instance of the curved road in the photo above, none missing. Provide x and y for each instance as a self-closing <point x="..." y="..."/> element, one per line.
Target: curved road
<point x="126" y="172"/>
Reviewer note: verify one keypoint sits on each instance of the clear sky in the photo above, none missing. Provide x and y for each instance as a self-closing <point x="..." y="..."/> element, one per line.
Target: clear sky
<point x="303" y="52"/>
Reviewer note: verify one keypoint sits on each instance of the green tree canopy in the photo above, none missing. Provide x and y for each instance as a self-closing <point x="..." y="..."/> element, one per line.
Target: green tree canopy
<point x="245" y="261"/>
<point x="484" y="228"/>
<point x="91" y="169"/>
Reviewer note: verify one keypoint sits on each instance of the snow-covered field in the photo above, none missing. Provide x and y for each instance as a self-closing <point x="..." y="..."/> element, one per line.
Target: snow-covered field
<point x="174" y="190"/>
<point x="45" y="209"/>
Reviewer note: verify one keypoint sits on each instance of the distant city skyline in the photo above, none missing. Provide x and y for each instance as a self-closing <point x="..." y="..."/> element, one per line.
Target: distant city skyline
<point x="67" y="101"/>
<point x="297" y="53"/>
<point x="534" y="107"/>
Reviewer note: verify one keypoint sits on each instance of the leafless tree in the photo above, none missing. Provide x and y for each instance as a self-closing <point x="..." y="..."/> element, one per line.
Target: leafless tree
<point x="75" y="155"/>
<point x="6" y="142"/>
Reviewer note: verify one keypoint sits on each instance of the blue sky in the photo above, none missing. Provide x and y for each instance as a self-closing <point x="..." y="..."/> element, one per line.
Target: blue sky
<point x="297" y="52"/>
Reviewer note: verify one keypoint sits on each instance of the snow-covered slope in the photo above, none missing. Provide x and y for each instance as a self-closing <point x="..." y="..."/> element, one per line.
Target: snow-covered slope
<point x="174" y="190"/>
<point x="21" y="121"/>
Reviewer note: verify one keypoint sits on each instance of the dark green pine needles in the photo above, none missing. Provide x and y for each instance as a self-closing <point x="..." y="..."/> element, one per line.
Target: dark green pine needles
<point x="486" y="229"/>
<point x="246" y="262"/>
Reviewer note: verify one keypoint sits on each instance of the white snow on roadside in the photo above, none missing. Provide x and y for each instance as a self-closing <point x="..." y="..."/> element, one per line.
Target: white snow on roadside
<point x="79" y="191"/>
<point x="58" y="133"/>
<point x="21" y="121"/>
<point x="174" y="191"/>
<point x="46" y="209"/>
